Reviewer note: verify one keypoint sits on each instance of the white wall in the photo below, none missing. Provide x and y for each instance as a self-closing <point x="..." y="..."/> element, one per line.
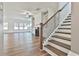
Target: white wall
<point x="75" y="27"/>
<point x="64" y="13"/>
<point x="1" y="30"/>
<point x="37" y="19"/>
<point x="52" y="10"/>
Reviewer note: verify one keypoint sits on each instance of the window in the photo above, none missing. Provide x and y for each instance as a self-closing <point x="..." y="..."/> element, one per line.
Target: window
<point x="21" y="26"/>
<point x="16" y="27"/>
<point x="25" y="26"/>
<point x="5" y="26"/>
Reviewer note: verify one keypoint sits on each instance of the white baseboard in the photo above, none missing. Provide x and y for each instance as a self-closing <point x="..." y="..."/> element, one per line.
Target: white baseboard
<point x="72" y="54"/>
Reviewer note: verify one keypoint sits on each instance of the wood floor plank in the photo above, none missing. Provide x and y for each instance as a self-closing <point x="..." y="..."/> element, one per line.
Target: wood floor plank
<point x="22" y="44"/>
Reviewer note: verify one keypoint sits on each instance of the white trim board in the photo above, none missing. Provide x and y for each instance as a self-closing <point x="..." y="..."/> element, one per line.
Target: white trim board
<point x="71" y="53"/>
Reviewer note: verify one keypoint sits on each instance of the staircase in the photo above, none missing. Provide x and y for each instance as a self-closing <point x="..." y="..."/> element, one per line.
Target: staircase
<point x="60" y="42"/>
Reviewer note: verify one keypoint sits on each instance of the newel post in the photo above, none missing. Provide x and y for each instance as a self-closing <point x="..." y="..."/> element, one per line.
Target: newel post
<point x="41" y="35"/>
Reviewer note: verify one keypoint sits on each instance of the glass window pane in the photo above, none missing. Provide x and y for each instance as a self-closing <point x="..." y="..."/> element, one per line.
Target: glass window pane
<point x="5" y="26"/>
<point x="21" y="26"/>
<point x="16" y="26"/>
<point x="25" y="26"/>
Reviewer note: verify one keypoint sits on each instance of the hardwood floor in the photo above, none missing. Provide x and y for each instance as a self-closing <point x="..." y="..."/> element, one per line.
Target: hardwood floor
<point x="22" y="44"/>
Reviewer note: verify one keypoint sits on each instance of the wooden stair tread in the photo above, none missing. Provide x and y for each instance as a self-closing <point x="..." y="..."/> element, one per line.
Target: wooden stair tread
<point x="65" y="24"/>
<point x="64" y="35"/>
<point x="61" y="40"/>
<point x="62" y="32"/>
<point x="69" y="16"/>
<point x="60" y="44"/>
<point x="56" y="51"/>
<point x="66" y="21"/>
<point x="65" y="28"/>
<point x="61" y="37"/>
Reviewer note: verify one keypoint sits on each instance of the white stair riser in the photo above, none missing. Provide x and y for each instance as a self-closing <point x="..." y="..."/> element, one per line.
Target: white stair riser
<point x="62" y="41"/>
<point x="64" y="30"/>
<point x="64" y="35"/>
<point x="65" y="27"/>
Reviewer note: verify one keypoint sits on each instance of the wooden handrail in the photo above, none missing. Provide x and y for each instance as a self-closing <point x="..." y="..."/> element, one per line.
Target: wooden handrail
<point x="55" y="14"/>
<point x="41" y="26"/>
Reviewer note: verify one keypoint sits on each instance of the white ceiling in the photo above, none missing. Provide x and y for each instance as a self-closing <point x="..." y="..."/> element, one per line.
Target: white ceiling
<point x="31" y="6"/>
<point x="13" y="10"/>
